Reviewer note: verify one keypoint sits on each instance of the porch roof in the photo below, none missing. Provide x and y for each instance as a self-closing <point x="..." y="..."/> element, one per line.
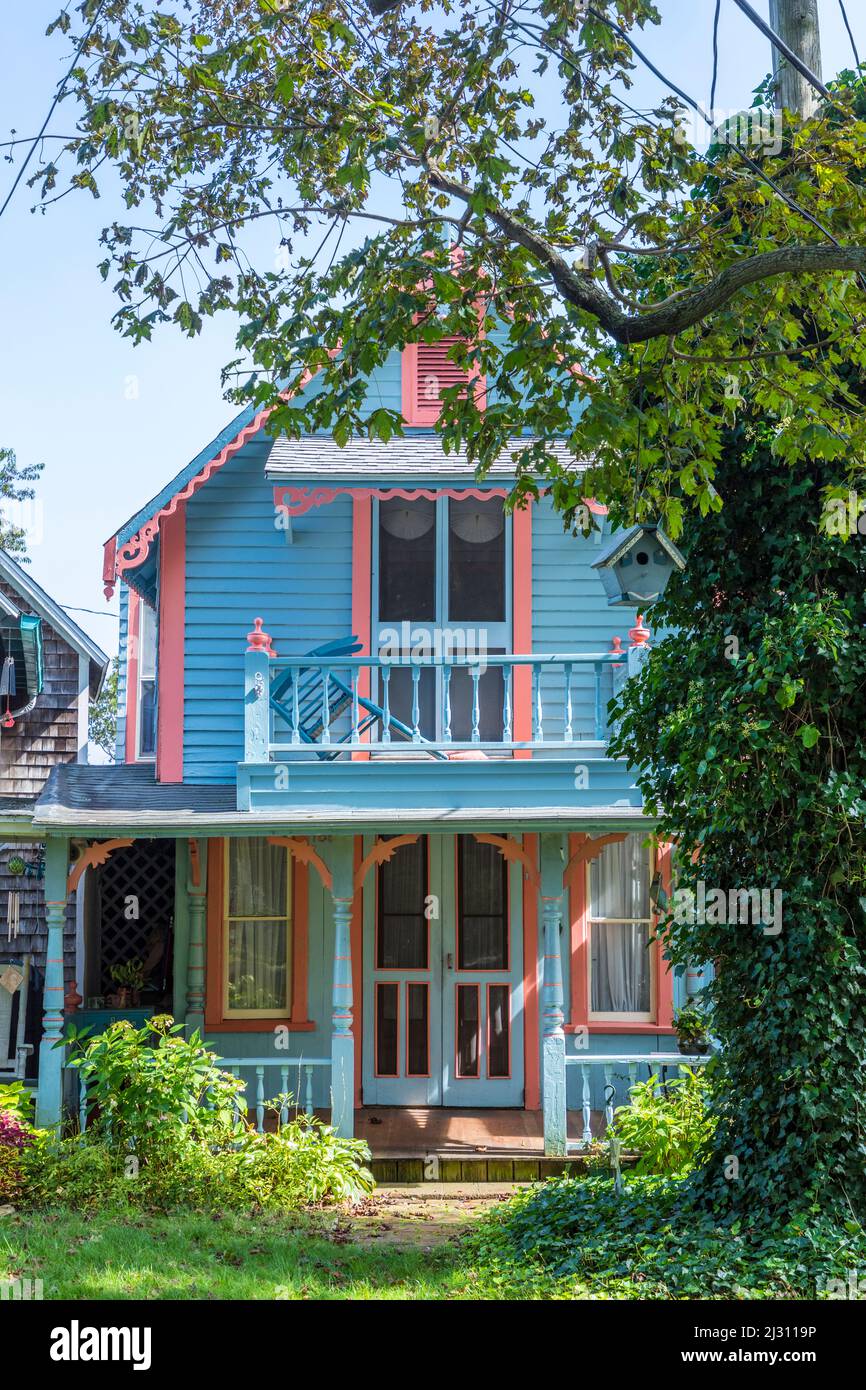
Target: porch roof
<point x="112" y="799"/>
<point x="316" y="458"/>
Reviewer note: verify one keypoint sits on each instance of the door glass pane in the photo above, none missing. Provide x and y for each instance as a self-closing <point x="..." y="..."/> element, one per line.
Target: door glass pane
<point x="387" y="1008"/>
<point x="257" y="966"/>
<point x="402" y="927"/>
<point x="498" y="1030"/>
<point x="407" y="560"/>
<point x="467" y="1030"/>
<point x="482" y="906"/>
<point x="417" y="1030"/>
<point x="476" y="560"/>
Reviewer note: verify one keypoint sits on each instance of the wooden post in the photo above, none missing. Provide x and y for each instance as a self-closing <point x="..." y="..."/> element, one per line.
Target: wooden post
<point x="49" y="1096"/>
<point x="796" y="23"/>
<point x="342" y="1041"/>
<point x="196" y="896"/>
<point x="552" y="999"/>
<point x="257" y="689"/>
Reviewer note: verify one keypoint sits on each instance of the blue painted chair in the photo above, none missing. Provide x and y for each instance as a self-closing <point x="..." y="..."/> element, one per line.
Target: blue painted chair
<point x="310" y="702"/>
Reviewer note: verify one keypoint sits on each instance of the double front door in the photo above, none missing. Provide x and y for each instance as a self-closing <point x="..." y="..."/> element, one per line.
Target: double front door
<point x="443" y="976"/>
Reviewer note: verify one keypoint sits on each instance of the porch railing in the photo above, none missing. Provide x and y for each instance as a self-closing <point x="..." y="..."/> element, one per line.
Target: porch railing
<point x="334" y="706"/>
<point x="294" y="1077"/>
<point x="623" y="1068"/>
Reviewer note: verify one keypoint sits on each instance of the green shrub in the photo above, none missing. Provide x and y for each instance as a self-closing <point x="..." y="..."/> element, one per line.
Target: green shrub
<point x="669" y="1126"/>
<point x="575" y="1238"/>
<point x="305" y="1163"/>
<point x="163" y="1132"/>
<point x="16" y="1136"/>
<point x="75" y="1173"/>
<point x="151" y="1088"/>
<point x="17" y="1099"/>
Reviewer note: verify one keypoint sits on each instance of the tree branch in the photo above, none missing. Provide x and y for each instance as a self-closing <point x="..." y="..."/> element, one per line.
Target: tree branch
<point x="682" y="310"/>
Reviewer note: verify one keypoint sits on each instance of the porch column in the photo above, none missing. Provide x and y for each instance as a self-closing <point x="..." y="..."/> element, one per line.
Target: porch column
<point x="49" y="1096"/>
<point x="552" y="1015"/>
<point x="342" y="1042"/>
<point x="196" y="896"/>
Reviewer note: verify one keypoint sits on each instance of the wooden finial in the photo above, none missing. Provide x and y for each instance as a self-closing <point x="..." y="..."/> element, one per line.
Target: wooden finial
<point x="639" y="634"/>
<point x="258" y="640"/>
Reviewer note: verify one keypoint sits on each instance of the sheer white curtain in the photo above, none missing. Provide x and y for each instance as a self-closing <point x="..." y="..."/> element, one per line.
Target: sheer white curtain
<point x="619" y="913"/>
<point x="258" y="927"/>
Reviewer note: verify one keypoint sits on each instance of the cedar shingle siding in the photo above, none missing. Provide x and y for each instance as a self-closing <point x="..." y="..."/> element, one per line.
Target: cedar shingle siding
<point x="41" y="739"/>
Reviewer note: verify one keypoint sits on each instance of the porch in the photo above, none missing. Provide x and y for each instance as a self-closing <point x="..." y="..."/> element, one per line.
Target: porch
<point x="459" y="1030"/>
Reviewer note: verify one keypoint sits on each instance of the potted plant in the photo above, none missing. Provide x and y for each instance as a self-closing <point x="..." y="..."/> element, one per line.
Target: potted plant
<point x="129" y="978"/>
<point x="690" y="1026"/>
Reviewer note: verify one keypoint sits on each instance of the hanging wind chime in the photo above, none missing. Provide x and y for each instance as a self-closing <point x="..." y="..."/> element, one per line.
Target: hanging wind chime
<point x="8" y="689"/>
<point x="13" y="915"/>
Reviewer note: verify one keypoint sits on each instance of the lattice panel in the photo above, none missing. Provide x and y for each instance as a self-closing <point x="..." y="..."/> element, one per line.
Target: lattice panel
<point x="141" y="875"/>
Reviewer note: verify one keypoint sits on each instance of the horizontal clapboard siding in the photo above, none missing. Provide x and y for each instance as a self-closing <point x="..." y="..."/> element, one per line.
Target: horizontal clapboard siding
<point x="239" y="567"/>
<point x="570" y="614"/>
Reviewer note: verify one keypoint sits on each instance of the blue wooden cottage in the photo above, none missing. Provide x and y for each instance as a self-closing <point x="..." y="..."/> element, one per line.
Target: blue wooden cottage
<point x="363" y="713"/>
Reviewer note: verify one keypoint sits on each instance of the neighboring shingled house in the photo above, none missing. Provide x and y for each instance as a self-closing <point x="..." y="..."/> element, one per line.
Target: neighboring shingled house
<point x="50" y="671"/>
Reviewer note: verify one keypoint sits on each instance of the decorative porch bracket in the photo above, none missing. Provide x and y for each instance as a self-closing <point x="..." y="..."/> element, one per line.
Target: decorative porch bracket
<point x="342" y="1041"/>
<point x="49" y="1096"/>
<point x="552" y="999"/>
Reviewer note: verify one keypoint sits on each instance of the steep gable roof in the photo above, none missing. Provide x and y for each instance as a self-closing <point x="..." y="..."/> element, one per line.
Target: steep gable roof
<point x="44" y="606"/>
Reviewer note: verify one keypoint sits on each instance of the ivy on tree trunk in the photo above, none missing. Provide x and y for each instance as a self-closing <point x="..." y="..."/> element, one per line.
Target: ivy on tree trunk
<point x="746" y="728"/>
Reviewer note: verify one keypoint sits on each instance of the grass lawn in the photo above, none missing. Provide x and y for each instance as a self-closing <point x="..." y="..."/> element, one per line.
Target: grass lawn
<point x="392" y="1250"/>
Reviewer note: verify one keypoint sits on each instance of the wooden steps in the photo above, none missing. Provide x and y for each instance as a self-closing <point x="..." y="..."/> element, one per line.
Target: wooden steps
<point x="482" y="1168"/>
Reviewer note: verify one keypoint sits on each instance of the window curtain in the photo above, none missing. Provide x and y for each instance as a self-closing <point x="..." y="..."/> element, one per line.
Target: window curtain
<point x="619" y="888"/>
<point x="258" y="956"/>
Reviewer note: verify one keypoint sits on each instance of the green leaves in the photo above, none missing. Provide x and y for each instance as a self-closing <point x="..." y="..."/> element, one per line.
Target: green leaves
<point x="387" y="142"/>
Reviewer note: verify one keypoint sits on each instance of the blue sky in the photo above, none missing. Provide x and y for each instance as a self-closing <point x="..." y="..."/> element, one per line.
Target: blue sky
<point x="111" y="422"/>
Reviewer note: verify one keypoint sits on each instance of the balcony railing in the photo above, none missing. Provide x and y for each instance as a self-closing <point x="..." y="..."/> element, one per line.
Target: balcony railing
<point x="331" y="706"/>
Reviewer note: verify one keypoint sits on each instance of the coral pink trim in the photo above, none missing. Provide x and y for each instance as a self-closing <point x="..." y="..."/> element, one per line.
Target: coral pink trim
<point x="172" y="614"/>
<point x="297" y="501"/>
<point x="109" y="561"/>
<point x="362" y="573"/>
<point x="132" y="649"/>
<point x="521" y="623"/>
<point x="136" y="549"/>
<point x="664" y="973"/>
<point x="531" y="1060"/>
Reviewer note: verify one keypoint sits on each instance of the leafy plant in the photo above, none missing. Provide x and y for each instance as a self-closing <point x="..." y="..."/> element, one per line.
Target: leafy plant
<point x="130" y="974"/>
<point x="690" y="1026"/>
<point x="16" y="1098"/>
<point x="575" y="1238"/>
<point x="770" y="622"/>
<point x="668" y="1125"/>
<point x="147" y="1087"/>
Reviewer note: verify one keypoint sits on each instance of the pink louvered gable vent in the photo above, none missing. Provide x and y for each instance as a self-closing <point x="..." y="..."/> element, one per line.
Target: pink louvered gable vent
<point x="428" y="371"/>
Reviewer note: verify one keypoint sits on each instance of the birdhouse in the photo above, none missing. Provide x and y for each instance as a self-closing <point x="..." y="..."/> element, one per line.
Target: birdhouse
<point x="636" y="568"/>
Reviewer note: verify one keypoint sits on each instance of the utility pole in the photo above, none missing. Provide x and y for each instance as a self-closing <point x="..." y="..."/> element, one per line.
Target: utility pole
<point x="796" y="23"/>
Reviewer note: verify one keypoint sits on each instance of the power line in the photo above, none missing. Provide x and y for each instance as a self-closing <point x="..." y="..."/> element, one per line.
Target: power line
<point x="58" y="94"/>
<point x="715" y="54"/>
<point x="787" y="53"/>
<point x="850" y="35"/>
<point x="97" y="612"/>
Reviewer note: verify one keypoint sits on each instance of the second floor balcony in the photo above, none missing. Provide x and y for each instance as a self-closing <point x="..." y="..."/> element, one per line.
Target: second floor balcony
<point x="442" y="730"/>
